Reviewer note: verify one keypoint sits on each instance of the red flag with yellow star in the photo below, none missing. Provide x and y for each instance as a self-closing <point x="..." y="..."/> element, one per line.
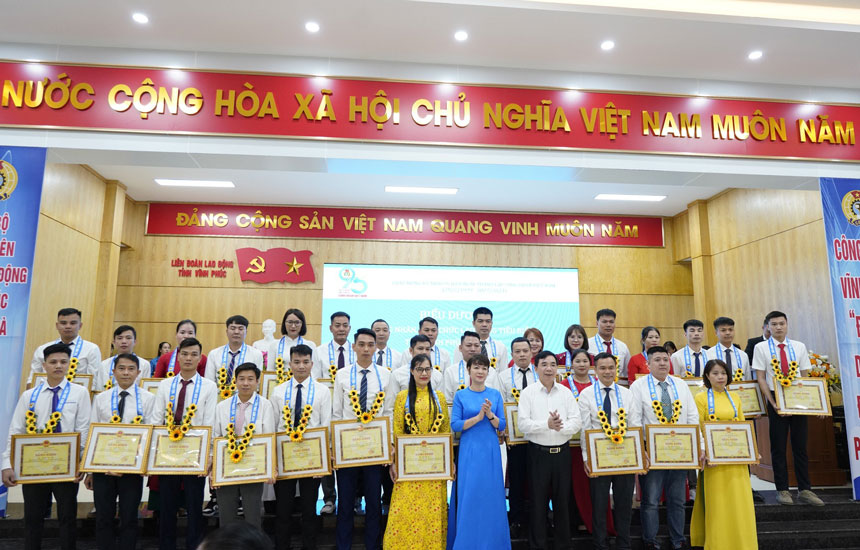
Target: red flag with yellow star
<point x="276" y="265"/>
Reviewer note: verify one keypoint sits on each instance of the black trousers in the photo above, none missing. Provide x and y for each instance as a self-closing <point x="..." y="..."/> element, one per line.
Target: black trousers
<point x="517" y="477"/>
<point x="780" y="426"/>
<point x="549" y="474"/>
<point x="171" y="488"/>
<point x="37" y="504"/>
<point x="106" y="489"/>
<point x="285" y="493"/>
<point x="622" y="489"/>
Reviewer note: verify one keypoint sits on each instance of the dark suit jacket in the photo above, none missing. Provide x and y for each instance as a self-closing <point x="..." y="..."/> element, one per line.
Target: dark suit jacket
<point x="751" y="344"/>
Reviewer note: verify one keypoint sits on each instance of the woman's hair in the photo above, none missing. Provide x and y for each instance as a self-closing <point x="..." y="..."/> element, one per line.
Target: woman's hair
<point x="670" y="346"/>
<point x="417" y="361"/>
<point x="645" y="332"/>
<point x="537" y="333"/>
<point x="186" y="322"/>
<point x="709" y="366"/>
<point x="576" y="353"/>
<point x="298" y="313"/>
<point x="577" y="328"/>
<point x="160" y="345"/>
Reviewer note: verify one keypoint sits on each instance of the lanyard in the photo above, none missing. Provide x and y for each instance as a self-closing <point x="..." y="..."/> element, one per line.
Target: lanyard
<point x="241" y="358"/>
<point x="438" y="362"/>
<point x="711" y="403"/>
<point x="738" y="363"/>
<point x="513" y="382"/>
<point x="331" y="350"/>
<point x="112" y="365"/>
<point x="435" y="398"/>
<point x="791" y="355"/>
<point x="288" y="393"/>
<point x="172" y="364"/>
<point x="568" y="361"/>
<point x="353" y="374"/>
<point x="387" y="356"/>
<point x="194" y="396"/>
<point x="601" y="346"/>
<point x="493" y="345"/>
<point x="114" y="399"/>
<point x="688" y="360"/>
<point x="283" y="342"/>
<point x="255" y="408"/>
<point x="644" y="357"/>
<point x="60" y="404"/>
<point x="653" y="388"/>
<point x="461" y="371"/>
<point x="598" y="400"/>
<point x="572" y="384"/>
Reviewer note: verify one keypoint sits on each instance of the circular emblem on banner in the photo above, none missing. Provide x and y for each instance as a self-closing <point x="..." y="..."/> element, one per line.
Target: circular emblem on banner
<point x="8" y="179"/>
<point x="851" y="207"/>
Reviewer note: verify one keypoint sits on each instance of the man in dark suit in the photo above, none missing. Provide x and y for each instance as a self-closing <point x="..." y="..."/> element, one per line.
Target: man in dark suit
<point x="751" y="343"/>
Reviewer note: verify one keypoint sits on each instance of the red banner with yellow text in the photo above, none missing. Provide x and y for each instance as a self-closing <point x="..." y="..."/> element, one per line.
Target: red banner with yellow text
<point x="213" y="103"/>
<point x="305" y="222"/>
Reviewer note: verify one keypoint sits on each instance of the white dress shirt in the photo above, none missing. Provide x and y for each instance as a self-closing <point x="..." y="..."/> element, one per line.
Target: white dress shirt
<point x="451" y="380"/>
<point x="322" y="361"/>
<point x="436" y="353"/>
<point x="103" y="372"/>
<point x="501" y="353"/>
<point x="642" y="397"/>
<point x="618" y="347"/>
<point x="88" y="359"/>
<point x="762" y="358"/>
<point x="504" y="378"/>
<point x="265" y="416"/>
<point x="288" y="343"/>
<point x="391" y="358"/>
<point x="321" y="413"/>
<point x="588" y="408"/>
<point x="679" y="364"/>
<point x="205" y="415"/>
<point x="214" y="360"/>
<point x="741" y="356"/>
<point x="341" y="405"/>
<point x="102" y="409"/>
<point x="75" y="418"/>
<point x="533" y="413"/>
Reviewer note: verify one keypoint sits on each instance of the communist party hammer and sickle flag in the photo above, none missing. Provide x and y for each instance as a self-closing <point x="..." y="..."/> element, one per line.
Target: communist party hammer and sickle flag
<point x="276" y="265"/>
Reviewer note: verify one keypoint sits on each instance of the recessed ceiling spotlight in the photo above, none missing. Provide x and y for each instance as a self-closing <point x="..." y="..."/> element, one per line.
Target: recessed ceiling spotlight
<point x="312" y="26"/>
<point x="461" y="36"/>
<point x="140" y="18"/>
<point x="607" y="45"/>
<point x="755" y="55"/>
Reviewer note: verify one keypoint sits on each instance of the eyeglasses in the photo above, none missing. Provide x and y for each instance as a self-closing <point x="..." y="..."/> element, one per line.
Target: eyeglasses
<point x="294" y="323"/>
<point x="423" y="370"/>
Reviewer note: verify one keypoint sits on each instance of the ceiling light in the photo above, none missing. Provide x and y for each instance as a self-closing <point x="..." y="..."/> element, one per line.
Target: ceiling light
<point x="607" y="45"/>
<point x="755" y="55"/>
<point x="193" y="183"/>
<point x="312" y="26"/>
<point x="461" y="36"/>
<point x="644" y="198"/>
<point x="140" y="18"/>
<point x="422" y="190"/>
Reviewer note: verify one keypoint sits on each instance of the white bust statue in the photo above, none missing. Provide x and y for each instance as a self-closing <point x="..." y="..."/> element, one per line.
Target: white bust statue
<point x="268" y="335"/>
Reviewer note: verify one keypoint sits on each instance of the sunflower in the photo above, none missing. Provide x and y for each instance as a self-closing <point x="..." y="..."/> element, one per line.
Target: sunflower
<point x="617" y="438"/>
<point x="493" y="362"/>
<point x="192" y="408"/>
<point x="353" y="393"/>
<point x="461" y="387"/>
<point x="712" y="417"/>
<point x="115" y="419"/>
<point x="184" y="429"/>
<point x="175" y="435"/>
<point x="236" y="457"/>
<point x="251" y="427"/>
<point x="231" y="445"/>
<point x="786" y="382"/>
<point x="56" y="415"/>
<point x="31" y="414"/>
<point x="31" y="429"/>
<point x="774" y="362"/>
<point x="225" y="393"/>
<point x="296" y="436"/>
<point x="655" y="403"/>
<point x="242" y="448"/>
<point x="366" y="417"/>
<point x="171" y="374"/>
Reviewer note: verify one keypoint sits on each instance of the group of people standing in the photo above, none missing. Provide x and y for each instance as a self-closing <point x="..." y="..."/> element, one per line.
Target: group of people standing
<point x="424" y="390"/>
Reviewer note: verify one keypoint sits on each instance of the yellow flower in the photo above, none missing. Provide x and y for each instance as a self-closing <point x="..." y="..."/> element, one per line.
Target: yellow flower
<point x="616" y="438"/>
<point x="296" y="436"/>
<point x="31" y="414"/>
<point x="115" y="419"/>
<point x="251" y="427"/>
<point x="236" y="456"/>
<point x="192" y="408"/>
<point x="175" y="435"/>
<point x="366" y="417"/>
<point x="56" y="415"/>
<point x="184" y="429"/>
<point x="242" y="448"/>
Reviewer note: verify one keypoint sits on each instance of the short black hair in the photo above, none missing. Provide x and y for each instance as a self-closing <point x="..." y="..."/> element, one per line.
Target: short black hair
<point x="188" y="343"/>
<point x="479" y="359"/>
<point x="340" y="314"/>
<point x="481" y="311"/>
<point x="247" y="367"/>
<point x="427" y="320"/>
<point x="693" y="323"/>
<point x="237" y="320"/>
<point x="774" y="315"/>
<point x="298" y="313"/>
<point x="69" y="311"/>
<point x="709" y="366"/>
<point x="468" y="333"/>
<point x="59" y="347"/>
<point x="723" y="322"/>
<point x="186" y="322"/>
<point x="364" y="331"/>
<point x="603" y="355"/>
<point x="519" y="340"/>
<point x="379" y="321"/>
<point x="418" y="338"/>
<point x="237" y="535"/>
<point x="656" y="349"/>
<point x="302" y="349"/>
<point x="418" y="359"/>
<point x="543" y="355"/>
<point x="123" y="328"/>
<point x="128" y="357"/>
<point x="605" y="312"/>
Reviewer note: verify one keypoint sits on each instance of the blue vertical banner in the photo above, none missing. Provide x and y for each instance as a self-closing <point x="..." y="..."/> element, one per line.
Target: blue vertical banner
<point x="841" y="205"/>
<point x="21" y="172"/>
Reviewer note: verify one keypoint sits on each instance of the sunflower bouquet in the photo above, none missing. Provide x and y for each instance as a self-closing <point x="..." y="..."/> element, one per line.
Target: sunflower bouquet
<point x="366" y="416"/>
<point x="616" y="435"/>
<point x="226" y="387"/>
<point x="297" y="433"/>
<point x="661" y="417"/>
<point x="283" y="374"/>
<point x="237" y="447"/>
<point x="178" y="432"/>
<point x="73" y="368"/>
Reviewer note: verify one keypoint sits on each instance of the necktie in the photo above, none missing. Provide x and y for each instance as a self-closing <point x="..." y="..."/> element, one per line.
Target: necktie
<point x="379" y="359"/>
<point x="525" y="380"/>
<point x="340" y="358"/>
<point x="55" y="399"/>
<point x="120" y="408"/>
<point x="608" y="346"/>
<point x="180" y="402"/>
<point x="240" y="416"/>
<point x="484" y="348"/>
<point x="298" y="408"/>
<point x="232" y="366"/>
<point x="728" y="361"/>
<point x="665" y="400"/>
<point x="607" y="405"/>
<point x="362" y="393"/>
<point x="783" y="360"/>
<point x="698" y="372"/>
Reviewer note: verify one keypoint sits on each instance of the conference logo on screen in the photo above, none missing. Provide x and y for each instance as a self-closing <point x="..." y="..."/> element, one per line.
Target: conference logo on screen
<point x="851" y="207"/>
<point x="8" y="179"/>
<point x="352" y="286"/>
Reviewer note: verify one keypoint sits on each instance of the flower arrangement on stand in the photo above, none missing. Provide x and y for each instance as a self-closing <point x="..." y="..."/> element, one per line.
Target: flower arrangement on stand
<point x="823" y="368"/>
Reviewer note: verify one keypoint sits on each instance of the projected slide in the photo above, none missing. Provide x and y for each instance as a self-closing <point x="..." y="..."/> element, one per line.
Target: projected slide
<point x="402" y="295"/>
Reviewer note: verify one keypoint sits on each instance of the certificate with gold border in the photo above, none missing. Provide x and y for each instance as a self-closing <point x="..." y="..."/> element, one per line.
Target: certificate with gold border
<point x="357" y="444"/>
<point x="673" y="446"/>
<point x="268" y="382"/>
<point x="257" y="465"/>
<point x="752" y="401"/>
<point x="606" y="458"/>
<point x="85" y="380"/>
<point x="427" y="457"/>
<point x="306" y="458"/>
<point x="187" y="456"/>
<point x="804" y="396"/>
<point x="730" y="443"/>
<point x="41" y="458"/>
<point x="696" y="385"/>
<point x="120" y="448"/>
<point x="150" y="384"/>
<point x="513" y="435"/>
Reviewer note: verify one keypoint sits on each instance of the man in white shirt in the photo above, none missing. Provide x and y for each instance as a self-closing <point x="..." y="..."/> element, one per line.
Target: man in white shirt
<point x="482" y="321"/>
<point x="429" y="327"/>
<point x="785" y="353"/>
<point x="668" y="390"/>
<point x="240" y="411"/>
<point x="181" y="391"/>
<point x="399" y="380"/>
<point x="690" y="360"/>
<point x="299" y="392"/>
<point x="368" y="379"/>
<point x="725" y="350"/>
<point x="124" y="340"/>
<point x="229" y="356"/>
<point x="456" y="378"/>
<point x="605" y="341"/>
<point x="609" y="397"/>
<point x="293" y="331"/>
<point x="68" y="326"/>
<point x="55" y="395"/>
<point x="548" y="416"/>
<point x="123" y="403"/>
<point x="384" y="356"/>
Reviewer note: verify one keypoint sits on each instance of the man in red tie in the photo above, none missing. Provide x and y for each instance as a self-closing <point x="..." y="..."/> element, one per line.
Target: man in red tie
<point x="605" y="342"/>
<point x="779" y="357"/>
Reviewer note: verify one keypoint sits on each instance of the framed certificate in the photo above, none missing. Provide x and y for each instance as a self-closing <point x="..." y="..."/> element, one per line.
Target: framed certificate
<point x="188" y="456"/>
<point x="696" y="385"/>
<point x="306" y="458"/>
<point x="357" y="444"/>
<point x="803" y="396"/>
<point x="121" y="448"/>
<point x="39" y="458"/>
<point x="425" y="457"/>
<point x="730" y="443"/>
<point x="752" y="401"/>
<point x="513" y="434"/>
<point x="85" y="380"/>
<point x="606" y="458"/>
<point x="150" y="384"/>
<point x="673" y="446"/>
<point x="268" y="381"/>
<point x="257" y="465"/>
